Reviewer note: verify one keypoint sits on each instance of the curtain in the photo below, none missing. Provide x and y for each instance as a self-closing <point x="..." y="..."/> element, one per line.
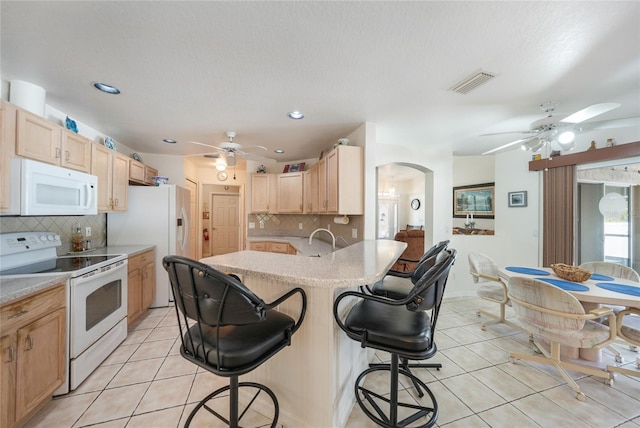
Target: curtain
<point x="559" y="211"/>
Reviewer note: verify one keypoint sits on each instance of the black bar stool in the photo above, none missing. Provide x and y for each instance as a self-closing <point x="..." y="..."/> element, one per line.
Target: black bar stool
<point x="405" y="328"/>
<point x="228" y="330"/>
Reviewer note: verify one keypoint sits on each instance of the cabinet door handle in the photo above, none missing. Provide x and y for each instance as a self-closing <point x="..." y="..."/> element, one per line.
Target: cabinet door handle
<point x="67" y="155"/>
<point x="29" y="343"/>
<point x="57" y="153"/>
<point x="12" y="354"/>
<point x="116" y="201"/>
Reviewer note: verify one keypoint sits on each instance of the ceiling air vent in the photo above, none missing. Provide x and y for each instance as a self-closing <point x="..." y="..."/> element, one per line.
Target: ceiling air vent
<point x="472" y="82"/>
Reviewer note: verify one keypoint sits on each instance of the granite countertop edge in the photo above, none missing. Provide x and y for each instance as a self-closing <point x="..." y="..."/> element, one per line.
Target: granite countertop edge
<point x="15" y="287"/>
<point x="365" y="262"/>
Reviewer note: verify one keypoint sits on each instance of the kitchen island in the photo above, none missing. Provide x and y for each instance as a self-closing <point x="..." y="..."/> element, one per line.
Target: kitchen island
<point x="313" y="378"/>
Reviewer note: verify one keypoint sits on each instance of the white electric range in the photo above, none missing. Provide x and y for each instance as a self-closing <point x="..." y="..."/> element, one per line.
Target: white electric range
<point x="96" y="296"/>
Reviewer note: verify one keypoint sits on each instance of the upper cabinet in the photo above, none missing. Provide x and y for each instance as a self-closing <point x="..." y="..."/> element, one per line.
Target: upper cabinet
<point x="263" y="193"/>
<point x="140" y="173"/>
<point x="341" y="181"/>
<point x="45" y="141"/>
<point x="290" y="187"/>
<point x="335" y="185"/>
<point x="112" y="170"/>
<point x="7" y="153"/>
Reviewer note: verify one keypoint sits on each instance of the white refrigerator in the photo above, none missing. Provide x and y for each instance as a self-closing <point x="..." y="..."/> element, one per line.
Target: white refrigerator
<point x="157" y="215"/>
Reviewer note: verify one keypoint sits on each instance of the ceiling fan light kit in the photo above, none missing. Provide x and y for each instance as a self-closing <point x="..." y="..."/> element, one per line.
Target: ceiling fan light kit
<point x="559" y="132"/>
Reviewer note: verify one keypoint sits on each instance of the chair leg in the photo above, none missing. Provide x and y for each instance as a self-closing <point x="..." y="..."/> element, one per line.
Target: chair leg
<point x="234" y="416"/>
<point x="553" y="358"/>
<point x="497" y="319"/>
<point x="404" y="364"/>
<point x="368" y="397"/>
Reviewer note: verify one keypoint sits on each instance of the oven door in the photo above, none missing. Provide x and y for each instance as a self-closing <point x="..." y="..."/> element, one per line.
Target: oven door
<point x="98" y="302"/>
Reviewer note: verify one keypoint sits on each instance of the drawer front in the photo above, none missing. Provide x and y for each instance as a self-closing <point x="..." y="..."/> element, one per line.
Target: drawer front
<point x="258" y="246"/>
<point x="279" y="247"/>
<point x="32" y="307"/>
<point x="136" y="262"/>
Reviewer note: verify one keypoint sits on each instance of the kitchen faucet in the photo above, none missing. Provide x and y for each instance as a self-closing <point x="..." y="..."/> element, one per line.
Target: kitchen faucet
<point x="333" y="238"/>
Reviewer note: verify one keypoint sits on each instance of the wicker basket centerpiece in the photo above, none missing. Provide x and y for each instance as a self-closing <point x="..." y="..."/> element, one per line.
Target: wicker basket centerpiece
<point x="570" y="273"/>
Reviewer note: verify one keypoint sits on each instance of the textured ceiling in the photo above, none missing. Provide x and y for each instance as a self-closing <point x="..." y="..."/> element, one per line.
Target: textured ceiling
<point x="193" y="70"/>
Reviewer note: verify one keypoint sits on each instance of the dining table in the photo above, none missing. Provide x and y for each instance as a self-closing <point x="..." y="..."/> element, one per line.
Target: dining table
<point x="599" y="290"/>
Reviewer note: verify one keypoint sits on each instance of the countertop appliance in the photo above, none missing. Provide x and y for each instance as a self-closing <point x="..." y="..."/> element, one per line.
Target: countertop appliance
<point x="96" y="296"/>
<point x="42" y="189"/>
<point x="156" y="215"/>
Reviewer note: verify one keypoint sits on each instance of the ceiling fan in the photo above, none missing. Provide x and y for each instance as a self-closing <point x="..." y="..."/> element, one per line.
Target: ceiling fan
<point x="231" y="150"/>
<point x="557" y="129"/>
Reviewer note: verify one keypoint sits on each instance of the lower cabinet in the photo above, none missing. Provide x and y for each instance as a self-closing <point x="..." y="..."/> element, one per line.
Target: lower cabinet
<point x="273" y="247"/>
<point x="141" y="284"/>
<point x="33" y="340"/>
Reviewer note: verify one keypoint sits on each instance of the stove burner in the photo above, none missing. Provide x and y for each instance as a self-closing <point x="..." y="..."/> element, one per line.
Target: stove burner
<point x="60" y="264"/>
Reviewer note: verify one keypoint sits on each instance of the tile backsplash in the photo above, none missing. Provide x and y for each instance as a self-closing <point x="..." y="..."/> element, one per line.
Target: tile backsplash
<point x="289" y="225"/>
<point x="62" y="225"/>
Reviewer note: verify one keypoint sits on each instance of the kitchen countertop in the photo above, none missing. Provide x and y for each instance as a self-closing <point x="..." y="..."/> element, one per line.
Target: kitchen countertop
<point x="17" y="286"/>
<point x="317" y="247"/>
<point x="362" y="263"/>
<point x="129" y="250"/>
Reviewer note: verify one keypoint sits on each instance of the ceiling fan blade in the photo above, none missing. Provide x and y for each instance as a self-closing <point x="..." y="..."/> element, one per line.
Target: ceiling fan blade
<point x="627" y="122"/>
<point x="252" y="156"/>
<point x="254" y="148"/>
<point x="212" y="155"/>
<point x="206" y="145"/>
<point x="513" y="143"/>
<point x="506" y="132"/>
<point x="589" y="112"/>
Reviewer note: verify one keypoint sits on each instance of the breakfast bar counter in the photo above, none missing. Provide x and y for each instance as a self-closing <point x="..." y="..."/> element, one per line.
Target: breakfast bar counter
<point x="313" y="378"/>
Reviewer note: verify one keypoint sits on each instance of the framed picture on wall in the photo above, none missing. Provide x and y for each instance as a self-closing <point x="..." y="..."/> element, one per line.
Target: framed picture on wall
<point x="518" y="199"/>
<point x="475" y="199"/>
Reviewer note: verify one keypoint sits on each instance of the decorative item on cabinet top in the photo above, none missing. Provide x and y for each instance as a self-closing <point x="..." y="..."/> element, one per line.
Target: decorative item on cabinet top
<point x="109" y="143"/>
<point x="71" y="125"/>
<point x="137" y="157"/>
<point x="294" y="167"/>
<point x="262" y="169"/>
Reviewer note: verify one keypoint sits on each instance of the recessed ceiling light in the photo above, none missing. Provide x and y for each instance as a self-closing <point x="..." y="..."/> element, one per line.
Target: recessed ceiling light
<point x="296" y="114"/>
<point x="169" y="140"/>
<point x="278" y="151"/>
<point x="106" y="88"/>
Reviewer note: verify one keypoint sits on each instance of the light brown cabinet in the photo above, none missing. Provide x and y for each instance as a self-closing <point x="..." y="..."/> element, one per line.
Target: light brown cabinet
<point x="273" y="247"/>
<point x="140" y="173"/>
<point x="120" y="190"/>
<point x="310" y="193"/>
<point x="33" y="339"/>
<point x="45" y="141"/>
<point x="341" y="181"/>
<point x="8" y="114"/>
<point x="112" y="170"/>
<point x="290" y="189"/>
<point x="141" y="284"/>
<point x="263" y="193"/>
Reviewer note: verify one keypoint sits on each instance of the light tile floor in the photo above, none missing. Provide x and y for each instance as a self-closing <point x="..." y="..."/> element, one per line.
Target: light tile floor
<point x="146" y="383"/>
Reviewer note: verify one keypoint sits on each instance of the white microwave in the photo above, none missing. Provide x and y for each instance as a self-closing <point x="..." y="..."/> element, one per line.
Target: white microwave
<point x="52" y="190"/>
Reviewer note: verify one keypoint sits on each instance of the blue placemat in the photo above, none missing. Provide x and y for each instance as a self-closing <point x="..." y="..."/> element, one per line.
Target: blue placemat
<point x="600" y="277"/>
<point x="565" y="285"/>
<point x="620" y="288"/>
<point x="526" y="270"/>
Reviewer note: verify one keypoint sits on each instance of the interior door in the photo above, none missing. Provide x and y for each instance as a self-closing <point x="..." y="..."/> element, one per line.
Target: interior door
<point x="225" y="224"/>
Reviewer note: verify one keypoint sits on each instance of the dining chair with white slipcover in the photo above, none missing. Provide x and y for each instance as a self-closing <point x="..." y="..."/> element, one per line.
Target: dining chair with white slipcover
<point x="491" y="288"/>
<point x="554" y="316"/>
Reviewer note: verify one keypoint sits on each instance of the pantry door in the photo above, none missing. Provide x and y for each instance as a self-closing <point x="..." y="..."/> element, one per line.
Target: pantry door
<point x="225" y="224"/>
